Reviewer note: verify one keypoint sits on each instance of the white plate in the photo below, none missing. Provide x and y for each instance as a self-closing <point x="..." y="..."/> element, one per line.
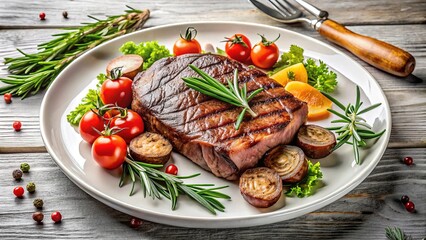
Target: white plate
<point x="72" y="155"/>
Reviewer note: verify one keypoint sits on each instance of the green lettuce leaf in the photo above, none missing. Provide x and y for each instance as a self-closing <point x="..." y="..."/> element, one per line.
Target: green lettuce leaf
<point x="90" y="101"/>
<point x="294" y="56"/>
<point x="306" y="186"/>
<point x="149" y="51"/>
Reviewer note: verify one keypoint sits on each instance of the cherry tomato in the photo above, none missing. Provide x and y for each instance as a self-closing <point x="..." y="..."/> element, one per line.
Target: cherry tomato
<point x="117" y="90"/>
<point x="109" y="151"/>
<point x="90" y="121"/>
<point x="238" y="47"/>
<point x="172" y="169"/>
<point x="187" y="44"/>
<point x="131" y="125"/>
<point x="265" y="54"/>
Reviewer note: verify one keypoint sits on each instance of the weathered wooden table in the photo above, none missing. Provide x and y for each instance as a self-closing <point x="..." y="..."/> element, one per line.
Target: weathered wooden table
<point x="361" y="214"/>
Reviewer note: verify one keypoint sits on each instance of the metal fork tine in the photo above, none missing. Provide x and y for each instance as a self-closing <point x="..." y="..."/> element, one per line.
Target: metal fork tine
<point x="279" y="8"/>
<point x="289" y="8"/>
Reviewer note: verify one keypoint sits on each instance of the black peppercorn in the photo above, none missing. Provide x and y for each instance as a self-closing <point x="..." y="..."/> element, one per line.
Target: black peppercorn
<point x="65" y="14"/>
<point x="17" y="174"/>
<point x="38" y="203"/>
<point x="31" y="187"/>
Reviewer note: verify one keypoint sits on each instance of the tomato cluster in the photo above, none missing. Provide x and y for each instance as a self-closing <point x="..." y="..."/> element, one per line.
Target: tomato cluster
<point x="238" y="47"/>
<point x="111" y="127"/>
<point x="263" y="55"/>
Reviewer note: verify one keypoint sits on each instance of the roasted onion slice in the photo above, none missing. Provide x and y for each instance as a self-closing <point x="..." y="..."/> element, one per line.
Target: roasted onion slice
<point x="288" y="161"/>
<point x="261" y="187"/>
<point x="315" y="141"/>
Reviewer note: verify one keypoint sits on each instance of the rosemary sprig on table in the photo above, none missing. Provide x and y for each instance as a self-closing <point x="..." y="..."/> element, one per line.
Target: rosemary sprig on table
<point x="156" y="183"/>
<point x="396" y="234"/>
<point x="231" y="94"/>
<point x="355" y="128"/>
<point x="32" y="72"/>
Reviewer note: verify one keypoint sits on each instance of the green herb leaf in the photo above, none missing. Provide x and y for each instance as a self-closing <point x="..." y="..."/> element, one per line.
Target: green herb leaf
<point x="157" y="183"/>
<point x="149" y="51"/>
<point x="305" y="187"/>
<point x="221" y="52"/>
<point x="231" y="94"/>
<point x="320" y="77"/>
<point x="89" y="102"/>
<point x="355" y="127"/>
<point x="396" y="234"/>
<point x="31" y="73"/>
<point x="294" y="56"/>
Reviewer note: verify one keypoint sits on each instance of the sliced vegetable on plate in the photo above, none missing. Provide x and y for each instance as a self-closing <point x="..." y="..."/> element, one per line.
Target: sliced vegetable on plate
<point x="150" y="148"/>
<point x="315" y="141"/>
<point x="296" y="72"/>
<point x="317" y="103"/>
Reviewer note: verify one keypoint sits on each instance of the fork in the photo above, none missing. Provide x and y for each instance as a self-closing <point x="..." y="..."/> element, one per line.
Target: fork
<point x="379" y="54"/>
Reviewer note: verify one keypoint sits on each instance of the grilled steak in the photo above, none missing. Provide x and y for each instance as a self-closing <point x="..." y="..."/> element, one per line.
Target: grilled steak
<point x="202" y="128"/>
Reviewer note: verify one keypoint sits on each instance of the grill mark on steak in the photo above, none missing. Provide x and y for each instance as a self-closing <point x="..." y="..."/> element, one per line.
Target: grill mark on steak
<point x="202" y="128"/>
<point x="214" y="107"/>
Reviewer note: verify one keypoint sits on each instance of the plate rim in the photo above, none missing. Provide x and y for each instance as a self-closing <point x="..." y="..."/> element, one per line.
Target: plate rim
<point x="219" y="222"/>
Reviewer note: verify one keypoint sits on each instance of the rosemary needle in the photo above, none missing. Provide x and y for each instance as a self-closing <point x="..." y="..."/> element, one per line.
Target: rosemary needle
<point x="355" y="130"/>
<point x="231" y="94"/>
<point x="31" y="73"/>
<point x="156" y="183"/>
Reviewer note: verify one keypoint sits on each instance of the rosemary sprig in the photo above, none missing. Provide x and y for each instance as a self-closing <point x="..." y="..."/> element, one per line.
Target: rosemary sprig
<point x="396" y="234"/>
<point x="231" y="94"/>
<point x="31" y="73"/>
<point x="355" y="130"/>
<point x="156" y="184"/>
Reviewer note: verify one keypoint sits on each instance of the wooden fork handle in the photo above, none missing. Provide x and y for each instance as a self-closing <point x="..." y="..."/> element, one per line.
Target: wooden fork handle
<point x="381" y="55"/>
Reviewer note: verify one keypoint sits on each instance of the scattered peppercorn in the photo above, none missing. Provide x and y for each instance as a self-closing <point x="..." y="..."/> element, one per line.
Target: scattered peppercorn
<point x="25" y="167"/>
<point x="38" y="203"/>
<point x="42" y="16"/>
<point x="405" y="199"/>
<point x="38" y="217"/>
<point x="7" y="97"/>
<point x="65" y="14"/>
<point x="31" y="187"/>
<point x="135" y="222"/>
<point x="408" y="161"/>
<point x="17" y="174"/>
<point x="17" y="126"/>
<point x="18" y="191"/>
<point x="409" y="206"/>
<point x="56" y="217"/>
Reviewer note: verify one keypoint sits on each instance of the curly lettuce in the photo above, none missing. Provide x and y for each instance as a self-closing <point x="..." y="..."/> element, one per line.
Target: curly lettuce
<point x="90" y="101"/>
<point x="306" y="187"/>
<point x="149" y="51"/>
<point x="319" y="75"/>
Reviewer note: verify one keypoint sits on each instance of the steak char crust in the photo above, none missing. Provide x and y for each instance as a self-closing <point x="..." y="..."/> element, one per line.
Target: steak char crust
<point x="202" y="128"/>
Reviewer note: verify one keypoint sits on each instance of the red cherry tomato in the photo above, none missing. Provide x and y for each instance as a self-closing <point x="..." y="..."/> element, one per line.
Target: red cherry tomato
<point x="238" y="47"/>
<point x="88" y="123"/>
<point x="131" y="125"/>
<point x="187" y="44"/>
<point x="117" y="90"/>
<point x="172" y="169"/>
<point x="109" y="151"/>
<point x="18" y="191"/>
<point x="265" y="54"/>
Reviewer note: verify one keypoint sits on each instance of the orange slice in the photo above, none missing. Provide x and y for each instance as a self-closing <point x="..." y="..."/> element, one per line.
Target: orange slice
<point x="298" y="71"/>
<point x="317" y="103"/>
